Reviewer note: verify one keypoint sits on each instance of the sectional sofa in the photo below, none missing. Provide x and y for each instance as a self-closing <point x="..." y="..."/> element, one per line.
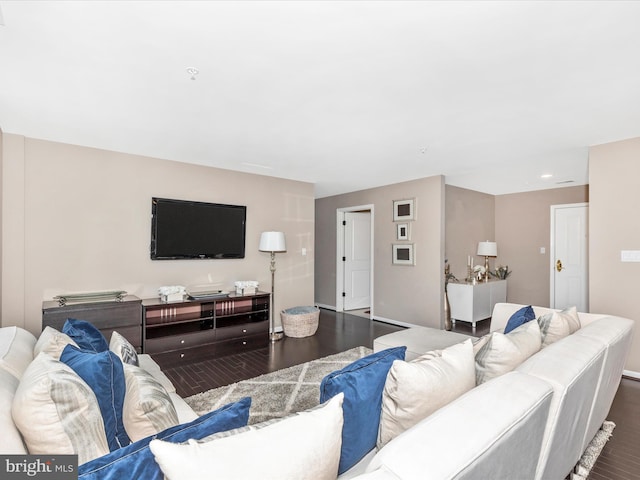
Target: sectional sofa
<point x="531" y="421"/>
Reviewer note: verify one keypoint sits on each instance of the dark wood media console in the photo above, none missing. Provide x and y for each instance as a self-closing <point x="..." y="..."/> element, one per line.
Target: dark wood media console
<point x="178" y="333"/>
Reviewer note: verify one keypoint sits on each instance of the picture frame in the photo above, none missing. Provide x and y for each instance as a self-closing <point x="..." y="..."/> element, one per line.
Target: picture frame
<point x="403" y="210"/>
<point x="403" y="254"/>
<point x="402" y="231"/>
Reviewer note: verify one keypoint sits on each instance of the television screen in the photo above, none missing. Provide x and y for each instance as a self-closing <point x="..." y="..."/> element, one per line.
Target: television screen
<point x="185" y="229"/>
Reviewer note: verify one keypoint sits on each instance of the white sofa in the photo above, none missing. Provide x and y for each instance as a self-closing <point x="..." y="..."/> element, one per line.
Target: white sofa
<point x="531" y="423"/>
<point x="489" y="433"/>
<point x="16" y="353"/>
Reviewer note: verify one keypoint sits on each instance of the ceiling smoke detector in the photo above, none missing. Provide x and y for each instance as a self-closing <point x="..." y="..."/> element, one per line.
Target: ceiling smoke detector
<point x="193" y="72"/>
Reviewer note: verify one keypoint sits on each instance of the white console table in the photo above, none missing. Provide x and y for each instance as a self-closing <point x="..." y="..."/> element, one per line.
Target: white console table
<point x="473" y="302"/>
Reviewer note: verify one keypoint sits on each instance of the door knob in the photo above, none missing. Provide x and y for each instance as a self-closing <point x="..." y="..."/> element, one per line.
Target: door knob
<point x="559" y="265"/>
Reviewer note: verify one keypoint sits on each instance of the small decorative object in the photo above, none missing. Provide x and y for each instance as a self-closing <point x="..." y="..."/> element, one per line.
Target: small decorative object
<point x="448" y="277"/>
<point x="246" y="287"/>
<point x="402" y="231"/>
<point x="273" y="242"/>
<point x="172" y="293"/>
<point x="487" y="249"/>
<point x="89" y="297"/>
<point x="403" y="210"/>
<point x="403" y="254"/>
<point x="501" y="272"/>
<point x="479" y="273"/>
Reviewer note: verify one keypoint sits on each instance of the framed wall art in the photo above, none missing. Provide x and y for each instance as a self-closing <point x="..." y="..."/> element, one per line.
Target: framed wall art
<point x="402" y="231"/>
<point x="403" y="254"/>
<point x="403" y="210"/>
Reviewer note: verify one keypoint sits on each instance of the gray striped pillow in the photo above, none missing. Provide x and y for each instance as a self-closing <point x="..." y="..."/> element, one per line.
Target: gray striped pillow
<point x="123" y="349"/>
<point x="57" y="413"/>
<point x="147" y="409"/>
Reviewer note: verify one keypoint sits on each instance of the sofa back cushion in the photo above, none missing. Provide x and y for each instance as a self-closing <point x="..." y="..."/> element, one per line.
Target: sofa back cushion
<point x="500" y="353"/>
<point x="57" y="413"/>
<point x="16" y="350"/>
<point x="10" y="442"/>
<point x="572" y="366"/>
<point x="493" y="431"/>
<point x="414" y="390"/>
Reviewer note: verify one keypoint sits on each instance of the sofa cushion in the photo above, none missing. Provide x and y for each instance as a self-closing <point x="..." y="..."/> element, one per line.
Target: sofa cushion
<point x="85" y="334"/>
<point x="57" y="413"/>
<point x="123" y="349"/>
<point x="523" y="315"/>
<point x="362" y="383"/>
<point x="147" y="409"/>
<point x="12" y="443"/>
<point x="414" y="390"/>
<point x="104" y="374"/>
<point x="136" y="461"/>
<point x="502" y="353"/>
<point x="303" y="446"/>
<point x="556" y="325"/>
<point x="16" y="350"/>
<point x="52" y="342"/>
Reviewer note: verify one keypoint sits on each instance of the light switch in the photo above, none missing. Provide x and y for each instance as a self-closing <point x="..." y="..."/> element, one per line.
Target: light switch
<point x="542" y="250"/>
<point x="630" y="255"/>
<point x="304" y="252"/>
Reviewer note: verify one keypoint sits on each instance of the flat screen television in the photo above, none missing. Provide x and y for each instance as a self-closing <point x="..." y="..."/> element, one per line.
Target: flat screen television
<point x="182" y="229"/>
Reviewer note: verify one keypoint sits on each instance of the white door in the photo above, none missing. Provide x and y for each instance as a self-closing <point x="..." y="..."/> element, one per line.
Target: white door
<point x="569" y="256"/>
<point x="357" y="260"/>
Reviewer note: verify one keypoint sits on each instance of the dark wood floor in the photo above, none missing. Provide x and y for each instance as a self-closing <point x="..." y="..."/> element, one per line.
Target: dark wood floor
<point x="337" y="332"/>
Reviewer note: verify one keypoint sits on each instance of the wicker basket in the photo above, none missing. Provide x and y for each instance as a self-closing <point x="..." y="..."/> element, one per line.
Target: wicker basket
<point x="300" y="321"/>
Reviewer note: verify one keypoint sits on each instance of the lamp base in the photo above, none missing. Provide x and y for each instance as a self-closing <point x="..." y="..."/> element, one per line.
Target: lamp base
<point x="275" y="336"/>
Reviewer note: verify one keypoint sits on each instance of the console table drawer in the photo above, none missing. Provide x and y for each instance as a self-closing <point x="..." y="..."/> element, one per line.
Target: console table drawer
<point x="239" y="331"/>
<point x="179" y="342"/>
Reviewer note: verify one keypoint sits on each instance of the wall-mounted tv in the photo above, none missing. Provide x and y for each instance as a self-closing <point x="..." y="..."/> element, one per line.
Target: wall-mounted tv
<point x="183" y="229"/>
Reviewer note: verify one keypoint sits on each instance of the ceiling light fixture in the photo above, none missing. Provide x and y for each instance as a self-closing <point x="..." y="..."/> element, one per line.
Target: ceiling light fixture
<point x="193" y="72"/>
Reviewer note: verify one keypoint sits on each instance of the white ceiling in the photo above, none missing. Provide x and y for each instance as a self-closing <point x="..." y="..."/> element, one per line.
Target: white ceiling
<point x="346" y="95"/>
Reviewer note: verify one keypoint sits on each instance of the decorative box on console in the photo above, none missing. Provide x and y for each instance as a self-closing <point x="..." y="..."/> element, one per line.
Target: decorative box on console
<point x="246" y="287"/>
<point x="174" y="293"/>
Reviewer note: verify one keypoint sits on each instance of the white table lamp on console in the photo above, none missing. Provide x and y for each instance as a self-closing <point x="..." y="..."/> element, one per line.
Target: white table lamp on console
<point x="487" y="249"/>
<point x="273" y="242"/>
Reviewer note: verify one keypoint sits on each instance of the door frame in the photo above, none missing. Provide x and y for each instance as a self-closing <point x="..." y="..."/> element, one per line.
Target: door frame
<point x="340" y="216"/>
<point x="552" y="252"/>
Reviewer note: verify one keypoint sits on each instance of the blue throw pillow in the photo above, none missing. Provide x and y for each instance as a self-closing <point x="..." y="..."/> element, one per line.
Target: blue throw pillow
<point x="137" y="461"/>
<point x="522" y="316"/>
<point x="362" y="383"/>
<point x="104" y="374"/>
<point x="87" y="336"/>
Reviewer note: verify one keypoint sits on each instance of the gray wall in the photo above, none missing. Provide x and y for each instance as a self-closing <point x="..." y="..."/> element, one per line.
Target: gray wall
<point x="407" y="294"/>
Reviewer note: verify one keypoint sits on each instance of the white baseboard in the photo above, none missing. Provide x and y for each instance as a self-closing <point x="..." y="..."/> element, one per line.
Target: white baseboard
<point x="631" y="374"/>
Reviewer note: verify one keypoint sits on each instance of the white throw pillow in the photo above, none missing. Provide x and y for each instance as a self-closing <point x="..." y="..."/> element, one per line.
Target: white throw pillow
<point x="57" y="413"/>
<point x="304" y="446"/>
<point x="557" y="325"/>
<point x="123" y="349"/>
<point x="414" y="390"/>
<point x="147" y="408"/>
<point x="52" y="342"/>
<point x="504" y="352"/>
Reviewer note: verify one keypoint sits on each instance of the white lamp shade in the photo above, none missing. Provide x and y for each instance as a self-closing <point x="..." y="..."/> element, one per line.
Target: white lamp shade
<point x="272" y="242"/>
<point x="488" y="249"/>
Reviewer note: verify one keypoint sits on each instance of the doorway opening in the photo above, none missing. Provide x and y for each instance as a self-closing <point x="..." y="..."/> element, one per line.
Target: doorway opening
<point x="354" y="260"/>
